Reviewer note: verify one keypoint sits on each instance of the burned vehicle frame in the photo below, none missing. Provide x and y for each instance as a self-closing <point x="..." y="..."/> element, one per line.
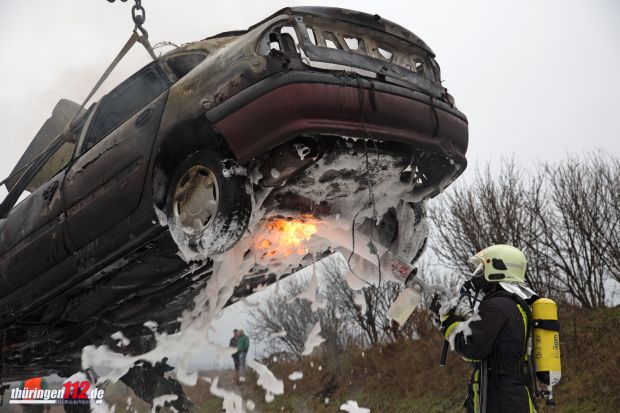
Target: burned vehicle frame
<point x="84" y="254"/>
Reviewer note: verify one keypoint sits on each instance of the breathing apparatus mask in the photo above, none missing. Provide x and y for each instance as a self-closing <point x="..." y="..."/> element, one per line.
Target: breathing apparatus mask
<point x="476" y="281"/>
<point x="476" y="285"/>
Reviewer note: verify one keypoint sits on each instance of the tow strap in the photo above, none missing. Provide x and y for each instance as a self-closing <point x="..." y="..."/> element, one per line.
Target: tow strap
<point x="139" y="34"/>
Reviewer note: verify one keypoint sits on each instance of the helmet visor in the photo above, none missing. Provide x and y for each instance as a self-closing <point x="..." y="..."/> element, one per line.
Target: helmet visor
<point x="477" y="266"/>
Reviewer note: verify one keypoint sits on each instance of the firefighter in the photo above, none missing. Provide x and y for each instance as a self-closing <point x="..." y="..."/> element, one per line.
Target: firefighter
<point x="495" y="338"/>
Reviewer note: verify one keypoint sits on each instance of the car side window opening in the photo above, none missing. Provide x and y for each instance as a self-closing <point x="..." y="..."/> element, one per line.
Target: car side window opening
<point x="311" y="35"/>
<point x="274" y="43"/>
<point x="182" y="64"/>
<point x="124" y="101"/>
<point x="282" y="38"/>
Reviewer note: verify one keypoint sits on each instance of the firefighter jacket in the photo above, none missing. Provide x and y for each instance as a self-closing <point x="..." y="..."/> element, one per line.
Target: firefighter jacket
<point x="495" y="342"/>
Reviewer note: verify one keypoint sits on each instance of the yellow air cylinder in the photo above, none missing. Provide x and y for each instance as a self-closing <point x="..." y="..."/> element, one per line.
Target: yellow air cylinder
<point x="546" y="337"/>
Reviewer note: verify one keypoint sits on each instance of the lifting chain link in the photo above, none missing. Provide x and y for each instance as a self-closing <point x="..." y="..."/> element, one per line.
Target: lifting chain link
<point x="138" y="15"/>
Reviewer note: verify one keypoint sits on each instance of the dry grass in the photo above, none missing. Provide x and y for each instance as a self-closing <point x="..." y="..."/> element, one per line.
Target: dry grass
<point x="405" y="377"/>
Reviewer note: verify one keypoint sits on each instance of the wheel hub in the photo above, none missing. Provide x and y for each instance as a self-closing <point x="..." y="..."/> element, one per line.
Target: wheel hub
<point x="196" y="199"/>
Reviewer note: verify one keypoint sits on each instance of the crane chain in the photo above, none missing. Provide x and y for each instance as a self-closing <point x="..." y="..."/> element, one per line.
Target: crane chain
<point x="138" y="15"/>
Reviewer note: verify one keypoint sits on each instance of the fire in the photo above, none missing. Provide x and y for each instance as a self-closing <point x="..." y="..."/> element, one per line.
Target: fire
<point x="286" y="236"/>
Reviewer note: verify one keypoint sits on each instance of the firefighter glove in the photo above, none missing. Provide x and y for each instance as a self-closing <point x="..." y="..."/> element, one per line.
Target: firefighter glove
<point x="448" y="322"/>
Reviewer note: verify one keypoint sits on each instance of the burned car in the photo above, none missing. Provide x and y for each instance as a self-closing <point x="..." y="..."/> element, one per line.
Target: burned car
<point x="312" y="116"/>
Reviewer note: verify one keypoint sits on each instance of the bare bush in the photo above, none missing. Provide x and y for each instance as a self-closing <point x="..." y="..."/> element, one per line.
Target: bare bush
<point x="496" y="208"/>
<point x="565" y="217"/>
<point x="348" y="317"/>
<point x="284" y="321"/>
<point x="581" y="224"/>
<point x="363" y="310"/>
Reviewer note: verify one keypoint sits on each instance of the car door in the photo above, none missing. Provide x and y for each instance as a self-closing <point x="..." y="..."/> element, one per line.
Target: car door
<point x="104" y="184"/>
<point x="31" y="238"/>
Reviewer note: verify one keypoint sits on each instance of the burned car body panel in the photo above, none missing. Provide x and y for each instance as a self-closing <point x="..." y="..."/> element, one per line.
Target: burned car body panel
<point x="237" y="55"/>
<point x="112" y="173"/>
<point x="84" y="255"/>
<point x="316" y="104"/>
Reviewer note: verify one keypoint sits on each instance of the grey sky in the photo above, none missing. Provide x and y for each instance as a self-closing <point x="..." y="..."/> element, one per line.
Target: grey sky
<point x="536" y="78"/>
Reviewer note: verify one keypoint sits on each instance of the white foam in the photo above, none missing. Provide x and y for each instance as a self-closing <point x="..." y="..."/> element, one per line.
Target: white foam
<point x="160" y="401"/>
<point x="464" y="328"/>
<point x="310" y="293"/>
<point x="314" y="340"/>
<point x="267" y="380"/>
<point x="232" y="402"/>
<point x="296" y="375"/>
<point x="352" y="407"/>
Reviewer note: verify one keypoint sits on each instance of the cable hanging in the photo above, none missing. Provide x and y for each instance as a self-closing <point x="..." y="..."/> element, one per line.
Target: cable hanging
<point x="371" y="198"/>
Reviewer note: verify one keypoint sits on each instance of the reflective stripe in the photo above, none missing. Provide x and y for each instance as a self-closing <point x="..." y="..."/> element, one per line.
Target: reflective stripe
<point x="529" y="400"/>
<point x="529" y="397"/>
<point x="450" y="328"/>
<point x="524" y="315"/>
<point x="475" y="386"/>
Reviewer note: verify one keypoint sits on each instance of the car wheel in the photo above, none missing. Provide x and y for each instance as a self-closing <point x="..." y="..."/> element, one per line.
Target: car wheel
<point x="207" y="204"/>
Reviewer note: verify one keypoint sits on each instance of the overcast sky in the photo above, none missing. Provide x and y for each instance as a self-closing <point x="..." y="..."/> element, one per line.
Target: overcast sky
<point x="535" y="78"/>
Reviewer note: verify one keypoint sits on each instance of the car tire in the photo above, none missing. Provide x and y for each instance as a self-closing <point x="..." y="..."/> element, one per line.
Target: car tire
<point x="208" y="206"/>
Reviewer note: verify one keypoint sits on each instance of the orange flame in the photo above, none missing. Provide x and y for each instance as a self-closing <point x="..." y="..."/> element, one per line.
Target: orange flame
<point x="286" y="236"/>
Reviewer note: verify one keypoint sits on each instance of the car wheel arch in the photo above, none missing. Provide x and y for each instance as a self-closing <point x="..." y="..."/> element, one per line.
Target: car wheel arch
<point x="181" y="141"/>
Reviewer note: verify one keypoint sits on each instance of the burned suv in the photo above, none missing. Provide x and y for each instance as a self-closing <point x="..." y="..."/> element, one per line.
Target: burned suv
<point x="314" y="115"/>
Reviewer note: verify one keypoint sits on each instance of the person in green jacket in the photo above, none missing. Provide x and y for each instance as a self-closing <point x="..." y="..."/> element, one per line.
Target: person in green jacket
<point x="243" y="345"/>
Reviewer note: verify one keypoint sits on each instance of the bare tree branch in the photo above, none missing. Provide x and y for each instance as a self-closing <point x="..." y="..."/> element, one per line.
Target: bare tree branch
<point x="564" y="216"/>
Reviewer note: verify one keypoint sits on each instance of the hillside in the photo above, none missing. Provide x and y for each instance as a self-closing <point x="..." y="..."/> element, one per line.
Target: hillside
<point x="406" y="377"/>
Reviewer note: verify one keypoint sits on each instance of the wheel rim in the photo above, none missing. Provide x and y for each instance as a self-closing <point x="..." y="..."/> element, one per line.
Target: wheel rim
<point x="196" y="199"/>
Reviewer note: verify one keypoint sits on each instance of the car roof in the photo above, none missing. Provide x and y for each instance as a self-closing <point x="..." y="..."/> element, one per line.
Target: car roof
<point x="375" y="22"/>
<point x="372" y="21"/>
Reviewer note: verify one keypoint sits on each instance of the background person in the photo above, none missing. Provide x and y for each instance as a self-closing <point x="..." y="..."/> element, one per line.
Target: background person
<point x="233" y="343"/>
<point x="243" y="345"/>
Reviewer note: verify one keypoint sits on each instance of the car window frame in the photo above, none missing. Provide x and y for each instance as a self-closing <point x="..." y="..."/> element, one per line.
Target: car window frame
<point x="262" y="47"/>
<point x="80" y="141"/>
<point x="164" y="70"/>
<point x="202" y="52"/>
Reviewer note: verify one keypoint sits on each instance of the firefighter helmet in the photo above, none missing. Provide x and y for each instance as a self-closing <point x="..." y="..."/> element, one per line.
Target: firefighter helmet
<point x="501" y="263"/>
